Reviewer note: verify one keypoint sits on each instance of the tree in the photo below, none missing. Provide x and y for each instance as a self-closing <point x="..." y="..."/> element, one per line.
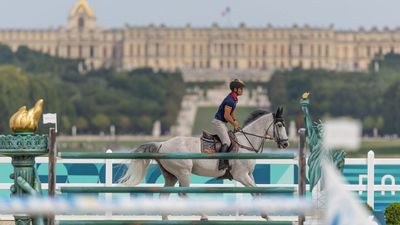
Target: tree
<point x="66" y="124"/>
<point x="391" y="109"/>
<point x="101" y="121"/>
<point x="123" y="123"/>
<point x="130" y="98"/>
<point x="6" y="55"/>
<point x="81" y="123"/>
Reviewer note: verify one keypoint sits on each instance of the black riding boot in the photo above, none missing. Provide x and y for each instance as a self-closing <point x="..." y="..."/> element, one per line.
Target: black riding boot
<point x="223" y="163"/>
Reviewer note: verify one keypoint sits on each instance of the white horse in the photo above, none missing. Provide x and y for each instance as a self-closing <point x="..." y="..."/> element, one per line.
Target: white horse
<point x="260" y="125"/>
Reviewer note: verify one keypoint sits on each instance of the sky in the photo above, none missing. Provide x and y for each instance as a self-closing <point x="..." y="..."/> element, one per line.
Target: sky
<point x="343" y="14"/>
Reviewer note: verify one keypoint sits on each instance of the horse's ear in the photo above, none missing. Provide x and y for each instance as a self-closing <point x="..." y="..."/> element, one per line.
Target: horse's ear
<point x="277" y="114"/>
<point x="281" y="111"/>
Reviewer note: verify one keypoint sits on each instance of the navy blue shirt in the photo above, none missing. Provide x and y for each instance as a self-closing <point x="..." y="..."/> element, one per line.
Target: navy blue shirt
<point x="230" y="101"/>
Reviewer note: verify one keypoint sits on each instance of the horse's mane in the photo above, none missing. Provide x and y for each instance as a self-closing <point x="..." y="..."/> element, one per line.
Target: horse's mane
<point x="254" y="116"/>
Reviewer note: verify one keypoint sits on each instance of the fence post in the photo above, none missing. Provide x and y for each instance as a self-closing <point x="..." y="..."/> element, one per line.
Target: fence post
<point x="371" y="179"/>
<point x="302" y="169"/>
<point x="52" y="179"/>
<point x="109" y="179"/>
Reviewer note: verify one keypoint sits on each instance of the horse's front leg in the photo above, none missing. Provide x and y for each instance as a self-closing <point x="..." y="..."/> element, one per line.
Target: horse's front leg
<point x="247" y="180"/>
<point x="184" y="181"/>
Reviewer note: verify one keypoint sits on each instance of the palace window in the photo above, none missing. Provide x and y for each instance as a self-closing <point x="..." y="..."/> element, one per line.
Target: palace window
<point x="193" y="50"/>
<point x="319" y="50"/>
<point x="257" y="51"/>
<point x="312" y="50"/>
<point x="68" y="51"/>
<point x="131" y="50"/>
<point x="264" y="53"/>
<point x="327" y="51"/>
<point x="105" y="52"/>
<point x="114" y="51"/>
<point x="183" y="50"/>
<point x="81" y="23"/>
<point x="80" y="51"/>
<point x="157" y="49"/>
<point x="301" y="50"/>
<point x="91" y="51"/>
<point x="236" y="49"/>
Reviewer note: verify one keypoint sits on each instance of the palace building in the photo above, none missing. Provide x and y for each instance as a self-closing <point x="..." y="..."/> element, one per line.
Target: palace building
<point x="216" y="48"/>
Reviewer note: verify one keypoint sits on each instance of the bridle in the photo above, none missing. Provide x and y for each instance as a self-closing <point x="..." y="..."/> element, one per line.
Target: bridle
<point x="276" y="136"/>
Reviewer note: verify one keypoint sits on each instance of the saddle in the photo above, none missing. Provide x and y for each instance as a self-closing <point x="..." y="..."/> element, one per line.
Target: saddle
<point x="210" y="143"/>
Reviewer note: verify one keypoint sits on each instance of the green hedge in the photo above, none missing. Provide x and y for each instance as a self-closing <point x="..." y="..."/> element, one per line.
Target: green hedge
<point x="392" y="214"/>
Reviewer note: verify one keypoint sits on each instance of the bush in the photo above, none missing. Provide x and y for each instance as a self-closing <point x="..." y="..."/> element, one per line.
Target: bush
<point x="392" y="214"/>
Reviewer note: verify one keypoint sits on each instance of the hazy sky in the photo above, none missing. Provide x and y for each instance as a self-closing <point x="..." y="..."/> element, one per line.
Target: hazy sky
<point x="344" y="14"/>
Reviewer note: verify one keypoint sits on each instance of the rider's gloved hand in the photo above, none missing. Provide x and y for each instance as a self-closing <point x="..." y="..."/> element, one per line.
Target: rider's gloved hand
<point x="237" y="129"/>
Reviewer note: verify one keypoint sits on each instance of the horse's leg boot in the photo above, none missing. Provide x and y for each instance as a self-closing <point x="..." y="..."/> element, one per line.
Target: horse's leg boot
<point x="223" y="164"/>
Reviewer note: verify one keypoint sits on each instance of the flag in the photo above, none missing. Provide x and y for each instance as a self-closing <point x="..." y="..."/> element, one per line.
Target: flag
<point x="226" y="11"/>
<point x="342" y="207"/>
<point x="50" y="118"/>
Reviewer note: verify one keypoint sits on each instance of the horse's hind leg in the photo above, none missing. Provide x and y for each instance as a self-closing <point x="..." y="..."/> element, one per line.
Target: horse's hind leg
<point x="184" y="181"/>
<point x="170" y="181"/>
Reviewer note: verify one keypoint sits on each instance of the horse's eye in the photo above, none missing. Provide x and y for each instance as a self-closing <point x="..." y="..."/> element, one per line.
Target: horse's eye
<point x="279" y="125"/>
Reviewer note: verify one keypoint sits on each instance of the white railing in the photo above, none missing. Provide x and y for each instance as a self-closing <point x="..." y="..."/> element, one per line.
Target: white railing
<point x="370" y="187"/>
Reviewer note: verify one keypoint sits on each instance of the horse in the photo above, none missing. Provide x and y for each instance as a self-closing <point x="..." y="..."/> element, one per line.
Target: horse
<point x="259" y="126"/>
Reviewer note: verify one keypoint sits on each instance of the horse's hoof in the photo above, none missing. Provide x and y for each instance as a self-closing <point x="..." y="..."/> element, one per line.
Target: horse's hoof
<point x="204" y="219"/>
<point x="265" y="216"/>
<point x="164" y="217"/>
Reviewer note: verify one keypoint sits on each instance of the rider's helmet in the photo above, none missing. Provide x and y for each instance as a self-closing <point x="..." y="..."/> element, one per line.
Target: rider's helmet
<point x="236" y="83"/>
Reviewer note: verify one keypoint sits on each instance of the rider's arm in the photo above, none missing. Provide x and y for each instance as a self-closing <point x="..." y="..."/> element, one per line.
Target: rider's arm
<point x="228" y="116"/>
<point x="234" y="115"/>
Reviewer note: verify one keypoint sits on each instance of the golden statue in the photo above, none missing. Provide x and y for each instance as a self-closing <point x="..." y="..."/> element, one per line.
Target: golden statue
<point x="305" y="95"/>
<point x="27" y="121"/>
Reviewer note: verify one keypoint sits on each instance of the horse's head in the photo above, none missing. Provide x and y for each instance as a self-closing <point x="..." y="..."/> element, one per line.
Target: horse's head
<point x="279" y="130"/>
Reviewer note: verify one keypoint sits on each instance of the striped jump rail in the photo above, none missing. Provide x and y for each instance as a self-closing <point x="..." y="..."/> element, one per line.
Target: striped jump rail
<point x="275" y="190"/>
<point x="174" y="222"/>
<point x="127" y="155"/>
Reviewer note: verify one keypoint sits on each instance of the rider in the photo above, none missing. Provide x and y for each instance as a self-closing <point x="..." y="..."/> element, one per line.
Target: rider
<point x="227" y="113"/>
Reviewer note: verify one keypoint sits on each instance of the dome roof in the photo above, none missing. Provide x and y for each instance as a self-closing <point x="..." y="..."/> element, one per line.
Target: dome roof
<point x="82" y="6"/>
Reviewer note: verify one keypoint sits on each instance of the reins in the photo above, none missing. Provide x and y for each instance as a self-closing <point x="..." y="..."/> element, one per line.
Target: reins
<point x="252" y="148"/>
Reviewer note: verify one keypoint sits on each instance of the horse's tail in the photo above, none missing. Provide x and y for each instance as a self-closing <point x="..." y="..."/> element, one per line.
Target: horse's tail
<point x="137" y="169"/>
